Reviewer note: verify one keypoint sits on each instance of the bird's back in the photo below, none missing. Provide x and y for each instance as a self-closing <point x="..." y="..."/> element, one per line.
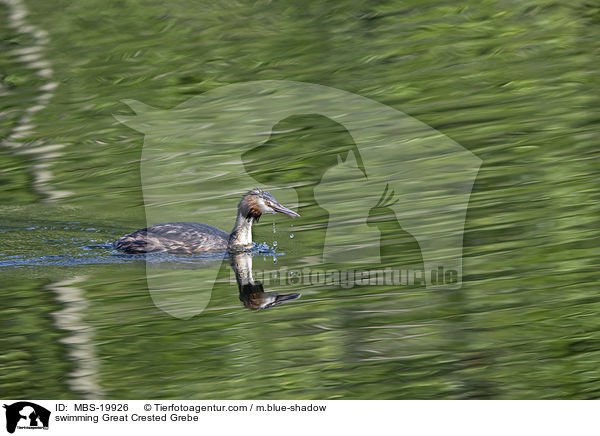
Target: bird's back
<point x="174" y="237"/>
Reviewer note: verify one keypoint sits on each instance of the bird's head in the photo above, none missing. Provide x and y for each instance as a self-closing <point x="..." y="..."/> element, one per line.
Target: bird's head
<point x="257" y="202"/>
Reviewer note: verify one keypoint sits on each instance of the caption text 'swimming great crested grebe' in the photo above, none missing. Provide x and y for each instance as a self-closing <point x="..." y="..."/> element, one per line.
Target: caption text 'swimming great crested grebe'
<point x="190" y="238"/>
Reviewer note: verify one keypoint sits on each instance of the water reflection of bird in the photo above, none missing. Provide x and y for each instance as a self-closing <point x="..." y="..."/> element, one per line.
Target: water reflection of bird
<point x="189" y="238"/>
<point x="252" y="293"/>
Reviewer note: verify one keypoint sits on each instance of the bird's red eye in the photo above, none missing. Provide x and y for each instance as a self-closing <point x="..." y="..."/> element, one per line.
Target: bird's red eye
<point x="268" y="203"/>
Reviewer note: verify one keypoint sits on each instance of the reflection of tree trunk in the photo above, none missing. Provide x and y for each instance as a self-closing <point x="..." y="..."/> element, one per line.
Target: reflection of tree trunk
<point x="79" y="340"/>
<point x="31" y="58"/>
<point x="353" y="337"/>
<point x="469" y="367"/>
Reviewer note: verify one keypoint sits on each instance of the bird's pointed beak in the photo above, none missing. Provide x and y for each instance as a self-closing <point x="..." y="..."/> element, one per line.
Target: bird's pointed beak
<point x="287" y="297"/>
<point x="282" y="209"/>
<point x="281" y="298"/>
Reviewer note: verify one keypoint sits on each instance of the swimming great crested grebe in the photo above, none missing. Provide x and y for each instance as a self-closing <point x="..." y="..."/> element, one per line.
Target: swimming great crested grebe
<point x="189" y="238"/>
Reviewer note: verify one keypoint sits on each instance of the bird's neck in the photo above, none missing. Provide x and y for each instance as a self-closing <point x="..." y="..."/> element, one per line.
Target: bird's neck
<point x="242" y="266"/>
<point x="241" y="235"/>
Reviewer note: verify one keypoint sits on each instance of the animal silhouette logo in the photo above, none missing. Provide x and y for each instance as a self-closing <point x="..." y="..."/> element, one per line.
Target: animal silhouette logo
<point x="193" y="169"/>
<point x="26" y="415"/>
<point x="345" y="193"/>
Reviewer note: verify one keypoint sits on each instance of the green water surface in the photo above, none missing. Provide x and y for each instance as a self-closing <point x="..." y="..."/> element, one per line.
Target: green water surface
<point x="514" y="82"/>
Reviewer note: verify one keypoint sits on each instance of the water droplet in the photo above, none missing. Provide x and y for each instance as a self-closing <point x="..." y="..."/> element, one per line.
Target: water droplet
<point x="274" y="260"/>
<point x="291" y="236"/>
<point x="274" y="231"/>
<point x="274" y="243"/>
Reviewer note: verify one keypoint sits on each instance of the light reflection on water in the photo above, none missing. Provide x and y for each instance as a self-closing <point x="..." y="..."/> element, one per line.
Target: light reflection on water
<point x="497" y="79"/>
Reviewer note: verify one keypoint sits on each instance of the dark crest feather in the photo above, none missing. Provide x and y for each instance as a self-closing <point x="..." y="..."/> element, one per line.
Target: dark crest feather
<point x="248" y="206"/>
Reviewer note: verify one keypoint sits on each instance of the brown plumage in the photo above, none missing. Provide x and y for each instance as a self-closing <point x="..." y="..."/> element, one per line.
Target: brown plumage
<point x="175" y="237"/>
